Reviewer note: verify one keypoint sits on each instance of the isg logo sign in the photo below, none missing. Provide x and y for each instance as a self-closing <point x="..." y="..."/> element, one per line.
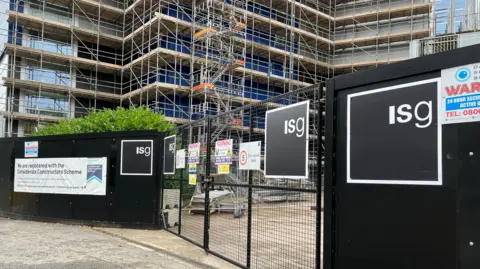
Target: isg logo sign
<point x="286" y="141"/>
<point x="393" y="135"/>
<point x="421" y="114"/>
<point x="136" y="158"/>
<point x="144" y="151"/>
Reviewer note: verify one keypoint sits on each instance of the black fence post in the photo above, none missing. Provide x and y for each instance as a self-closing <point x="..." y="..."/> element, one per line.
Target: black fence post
<point x="207" y="180"/>
<point x="160" y="180"/>
<point x="159" y="185"/>
<point x="184" y="145"/>
<point x="250" y="197"/>
<point x="12" y="184"/>
<point x="328" y="212"/>
<point x="318" y="246"/>
<point x="180" y="207"/>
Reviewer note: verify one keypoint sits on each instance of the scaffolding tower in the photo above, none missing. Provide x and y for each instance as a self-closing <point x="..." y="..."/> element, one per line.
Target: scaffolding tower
<point x="215" y="55"/>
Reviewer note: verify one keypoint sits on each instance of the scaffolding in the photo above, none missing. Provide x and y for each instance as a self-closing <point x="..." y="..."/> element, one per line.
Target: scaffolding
<point x="190" y="59"/>
<point x="215" y="56"/>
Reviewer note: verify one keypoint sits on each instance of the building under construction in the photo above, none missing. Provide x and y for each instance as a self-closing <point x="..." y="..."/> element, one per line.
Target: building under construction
<point x="188" y="59"/>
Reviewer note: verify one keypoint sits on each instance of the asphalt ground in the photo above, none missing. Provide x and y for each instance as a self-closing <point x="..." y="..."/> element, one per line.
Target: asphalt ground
<point x="35" y="245"/>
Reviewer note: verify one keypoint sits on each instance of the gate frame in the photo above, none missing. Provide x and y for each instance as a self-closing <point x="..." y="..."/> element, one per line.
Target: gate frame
<point x="412" y="67"/>
<point x="208" y="184"/>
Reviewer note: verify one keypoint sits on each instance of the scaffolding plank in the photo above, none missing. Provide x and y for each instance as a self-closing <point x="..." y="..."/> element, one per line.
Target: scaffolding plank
<point x="52" y="26"/>
<point x="382" y="39"/>
<point x="106" y="11"/>
<point x="55" y="88"/>
<point x="32" y="117"/>
<point x="59" y="58"/>
<point x="367" y="64"/>
<point x="384" y="14"/>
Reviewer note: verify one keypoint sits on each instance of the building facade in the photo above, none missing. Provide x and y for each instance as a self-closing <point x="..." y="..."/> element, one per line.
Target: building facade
<point x="189" y="59"/>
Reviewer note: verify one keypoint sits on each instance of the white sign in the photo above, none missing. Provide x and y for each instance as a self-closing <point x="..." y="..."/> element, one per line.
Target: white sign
<point x="250" y="158"/>
<point x="80" y="176"/>
<point x="194" y="153"/>
<point x="31" y="149"/>
<point x="180" y="159"/>
<point x="223" y="151"/>
<point x="460" y="94"/>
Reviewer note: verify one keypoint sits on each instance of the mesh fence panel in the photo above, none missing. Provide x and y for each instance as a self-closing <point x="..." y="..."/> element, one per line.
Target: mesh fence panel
<point x="283" y="229"/>
<point x="229" y="225"/>
<point x="243" y="216"/>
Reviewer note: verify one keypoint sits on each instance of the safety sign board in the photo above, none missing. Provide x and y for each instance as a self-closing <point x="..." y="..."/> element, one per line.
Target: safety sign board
<point x="180" y="159"/>
<point x="192" y="167"/>
<point x="224" y="169"/>
<point x="460" y="94"/>
<point x="192" y="179"/>
<point x="249" y="156"/>
<point x="223" y="151"/>
<point x="31" y="149"/>
<point x="194" y="153"/>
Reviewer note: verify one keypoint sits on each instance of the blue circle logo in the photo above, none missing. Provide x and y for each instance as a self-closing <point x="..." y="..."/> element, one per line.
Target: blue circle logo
<point x="463" y="74"/>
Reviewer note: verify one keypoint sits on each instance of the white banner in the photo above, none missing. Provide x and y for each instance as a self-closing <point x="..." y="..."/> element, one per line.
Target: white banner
<point x="180" y="162"/>
<point x="80" y="176"/>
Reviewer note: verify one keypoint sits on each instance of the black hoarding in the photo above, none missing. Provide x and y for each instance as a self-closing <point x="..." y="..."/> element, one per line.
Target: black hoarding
<point x="169" y="155"/>
<point x="393" y="135"/>
<point x="286" y="141"/>
<point x="136" y="158"/>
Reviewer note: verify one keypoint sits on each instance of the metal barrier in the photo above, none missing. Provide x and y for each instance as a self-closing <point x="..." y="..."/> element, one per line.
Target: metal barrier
<point x="242" y="216"/>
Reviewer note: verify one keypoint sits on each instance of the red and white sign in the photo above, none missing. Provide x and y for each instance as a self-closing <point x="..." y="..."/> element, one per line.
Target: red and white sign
<point x="250" y="156"/>
<point x="460" y="94"/>
<point x="243" y="157"/>
<point x="194" y="153"/>
<point x="223" y="151"/>
<point x="31" y="149"/>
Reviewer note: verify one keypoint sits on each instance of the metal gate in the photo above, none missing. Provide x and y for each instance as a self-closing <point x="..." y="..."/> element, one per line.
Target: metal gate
<point x="239" y="215"/>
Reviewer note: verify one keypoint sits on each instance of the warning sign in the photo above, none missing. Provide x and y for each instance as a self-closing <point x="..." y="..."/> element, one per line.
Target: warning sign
<point x="192" y="179"/>
<point x="192" y="168"/>
<point x="31" y="149"/>
<point x="223" y="151"/>
<point x="224" y="169"/>
<point x="460" y="95"/>
<point x="250" y="158"/>
<point x="194" y="153"/>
